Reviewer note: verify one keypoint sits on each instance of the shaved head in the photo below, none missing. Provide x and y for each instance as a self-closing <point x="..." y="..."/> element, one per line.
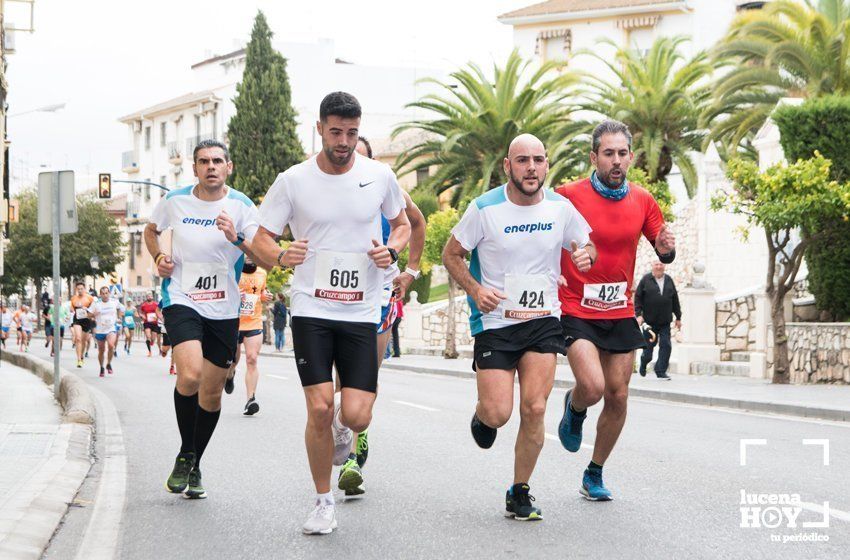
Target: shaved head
<point x="526" y="165"/>
<point x="525" y="143"/>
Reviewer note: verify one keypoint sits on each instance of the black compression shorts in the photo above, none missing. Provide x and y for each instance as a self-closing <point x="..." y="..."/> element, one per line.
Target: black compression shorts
<point x="321" y="343"/>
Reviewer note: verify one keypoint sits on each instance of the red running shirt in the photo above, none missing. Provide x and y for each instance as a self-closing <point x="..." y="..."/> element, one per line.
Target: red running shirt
<point x="148" y="311"/>
<point x="605" y="291"/>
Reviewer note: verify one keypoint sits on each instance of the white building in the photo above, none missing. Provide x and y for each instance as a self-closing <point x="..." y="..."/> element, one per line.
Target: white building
<point x="160" y="138"/>
<point x="560" y="29"/>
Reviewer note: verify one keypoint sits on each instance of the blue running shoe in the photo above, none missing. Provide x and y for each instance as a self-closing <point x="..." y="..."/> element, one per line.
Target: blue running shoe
<point x="569" y="429"/>
<point x="592" y="487"/>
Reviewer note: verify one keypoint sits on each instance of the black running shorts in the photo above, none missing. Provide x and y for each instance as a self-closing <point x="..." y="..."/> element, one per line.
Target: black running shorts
<point x="616" y="336"/>
<point x="166" y="340"/>
<point x="86" y="324"/>
<point x="248" y="334"/>
<point x="217" y="336"/>
<point x="154" y="327"/>
<point x="321" y="343"/>
<point x="502" y="348"/>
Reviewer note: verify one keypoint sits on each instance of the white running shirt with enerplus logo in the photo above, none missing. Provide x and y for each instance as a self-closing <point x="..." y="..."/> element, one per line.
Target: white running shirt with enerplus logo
<point x="206" y="265"/>
<point x="339" y="215"/>
<point x="106" y="314"/>
<point x="517" y="250"/>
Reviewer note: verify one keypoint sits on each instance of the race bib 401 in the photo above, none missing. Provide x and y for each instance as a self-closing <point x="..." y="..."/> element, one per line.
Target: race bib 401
<point x="205" y="282"/>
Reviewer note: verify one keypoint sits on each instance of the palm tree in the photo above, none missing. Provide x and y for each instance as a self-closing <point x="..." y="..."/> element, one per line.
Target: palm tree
<point x="787" y="49"/>
<point x="660" y="96"/>
<point x="476" y="119"/>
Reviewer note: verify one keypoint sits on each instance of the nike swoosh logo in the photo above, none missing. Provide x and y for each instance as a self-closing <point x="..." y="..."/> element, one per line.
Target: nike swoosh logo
<point x="366" y="184"/>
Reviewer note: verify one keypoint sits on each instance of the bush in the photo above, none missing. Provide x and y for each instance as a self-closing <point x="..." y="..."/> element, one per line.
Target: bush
<point x="422" y="287"/>
<point x="818" y="124"/>
<point x="426" y="201"/>
<point x="821" y="124"/>
<point x="829" y="270"/>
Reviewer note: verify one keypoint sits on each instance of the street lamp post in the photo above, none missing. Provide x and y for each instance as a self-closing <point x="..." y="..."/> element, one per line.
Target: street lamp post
<point x="94" y="262"/>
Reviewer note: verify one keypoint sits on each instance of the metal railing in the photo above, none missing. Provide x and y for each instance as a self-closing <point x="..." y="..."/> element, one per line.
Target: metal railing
<point x="193" y="141"/>
<point x="129" y="160"/>
<point x="174" y="151"/>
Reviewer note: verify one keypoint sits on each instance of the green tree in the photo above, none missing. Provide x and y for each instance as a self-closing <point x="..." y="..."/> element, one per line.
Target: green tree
<point x="437" y="234"/>
<point x="821" y="125"/>
<point x="477" y="117"/>
<point x="786" y="49"/>
<point x="30" y="254"/>
<point x="783" y="201"/>
<point x="262" y="135"/>
<point x="659" y="95"/>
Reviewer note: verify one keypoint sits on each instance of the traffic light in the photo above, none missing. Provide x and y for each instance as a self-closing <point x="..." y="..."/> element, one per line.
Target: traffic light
<point x="105" y="185"/>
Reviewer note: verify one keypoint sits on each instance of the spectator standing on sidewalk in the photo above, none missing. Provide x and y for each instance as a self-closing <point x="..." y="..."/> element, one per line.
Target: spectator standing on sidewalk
<point x="399" y="310"/>
<point x="279" y="322"/>
<point x="656" y="301"/>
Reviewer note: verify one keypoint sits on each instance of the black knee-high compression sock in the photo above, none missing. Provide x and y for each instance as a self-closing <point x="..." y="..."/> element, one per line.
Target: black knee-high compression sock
<point x="186" y="408"/>
<point x="204" y="429"/>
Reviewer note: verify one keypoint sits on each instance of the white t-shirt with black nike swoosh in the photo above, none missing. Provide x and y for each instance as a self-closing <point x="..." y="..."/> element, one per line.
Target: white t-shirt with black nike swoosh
<point x="339" y="215"/>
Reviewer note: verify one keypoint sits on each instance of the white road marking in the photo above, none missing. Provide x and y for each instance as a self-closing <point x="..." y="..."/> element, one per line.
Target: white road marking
<point x="833" y="513"/>
<point x="277" y="376"/>
<point x="555" y="438"/>
<point x="101" y="537"/>
<point x="419" y="406"/>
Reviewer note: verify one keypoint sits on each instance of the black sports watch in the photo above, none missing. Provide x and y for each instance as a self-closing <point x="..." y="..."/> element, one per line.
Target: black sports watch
<point x="393" y="254"/>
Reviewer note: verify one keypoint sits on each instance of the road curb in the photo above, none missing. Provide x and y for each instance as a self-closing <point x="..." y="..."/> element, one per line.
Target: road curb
<point x="669" y="396"/>
<point x="74" y="395"/>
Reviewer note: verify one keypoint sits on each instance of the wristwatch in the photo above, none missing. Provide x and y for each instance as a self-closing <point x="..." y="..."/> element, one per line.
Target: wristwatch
<point x="414" y="273"/>
<point x="240" y="238"/>
<point x="393" y="254"/>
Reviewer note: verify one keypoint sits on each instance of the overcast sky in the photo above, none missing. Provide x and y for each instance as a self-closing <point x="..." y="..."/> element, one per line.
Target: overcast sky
<point x="108" y="58"/>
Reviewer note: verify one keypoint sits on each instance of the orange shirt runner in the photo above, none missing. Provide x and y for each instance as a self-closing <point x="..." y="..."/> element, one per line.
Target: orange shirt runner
<point x="80" y="305"/>
<point x="251" y="288"/>
<point x="605" y="291"/>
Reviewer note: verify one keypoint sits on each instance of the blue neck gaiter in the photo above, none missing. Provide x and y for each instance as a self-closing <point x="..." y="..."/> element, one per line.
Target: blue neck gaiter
<point x="612" y="194"/>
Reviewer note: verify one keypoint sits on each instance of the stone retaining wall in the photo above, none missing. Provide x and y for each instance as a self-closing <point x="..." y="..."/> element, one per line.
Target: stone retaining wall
<point x="435" y="320"/>
<point x="735" y="321"/>
<point x="819" y="352"/>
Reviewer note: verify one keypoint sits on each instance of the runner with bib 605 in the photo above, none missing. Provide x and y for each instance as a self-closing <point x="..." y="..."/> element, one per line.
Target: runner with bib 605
<point x="598" y="314"/>
<point x="333" y="203"/>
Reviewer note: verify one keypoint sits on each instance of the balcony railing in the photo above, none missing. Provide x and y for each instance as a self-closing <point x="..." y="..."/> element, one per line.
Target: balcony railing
<point x="130" y="162"/>
<point x="193" y="141"/>
<point x="175" y="154"/>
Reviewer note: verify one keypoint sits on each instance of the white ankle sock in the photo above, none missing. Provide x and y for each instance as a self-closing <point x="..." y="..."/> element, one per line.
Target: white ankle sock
<point x="326" y="499"/>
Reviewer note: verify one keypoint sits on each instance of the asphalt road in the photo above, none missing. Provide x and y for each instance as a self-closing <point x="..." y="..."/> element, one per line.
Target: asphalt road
<point x="431" y="493"/>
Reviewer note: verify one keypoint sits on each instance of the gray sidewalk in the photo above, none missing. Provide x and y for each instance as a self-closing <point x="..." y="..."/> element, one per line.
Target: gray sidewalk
<point x="828" y="402"/>
<point x="42" y="463"/>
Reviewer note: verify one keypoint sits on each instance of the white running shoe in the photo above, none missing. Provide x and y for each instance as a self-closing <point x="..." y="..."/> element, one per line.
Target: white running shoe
<point x="322" y="520"/>
<point x="343" y="436"/>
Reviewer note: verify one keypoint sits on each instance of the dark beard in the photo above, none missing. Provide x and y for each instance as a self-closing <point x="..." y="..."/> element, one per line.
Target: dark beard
<point x="517" y="181"/>
<point x="606" y="180"/>
<point x="334" y="159"/>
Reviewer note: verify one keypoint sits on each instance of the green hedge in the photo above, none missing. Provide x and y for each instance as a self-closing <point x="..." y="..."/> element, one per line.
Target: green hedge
<point x="823" y="124"/>
<point x="829" y="271"/>
<point x="820" y="124"/>
<point x="422" y="287"/>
